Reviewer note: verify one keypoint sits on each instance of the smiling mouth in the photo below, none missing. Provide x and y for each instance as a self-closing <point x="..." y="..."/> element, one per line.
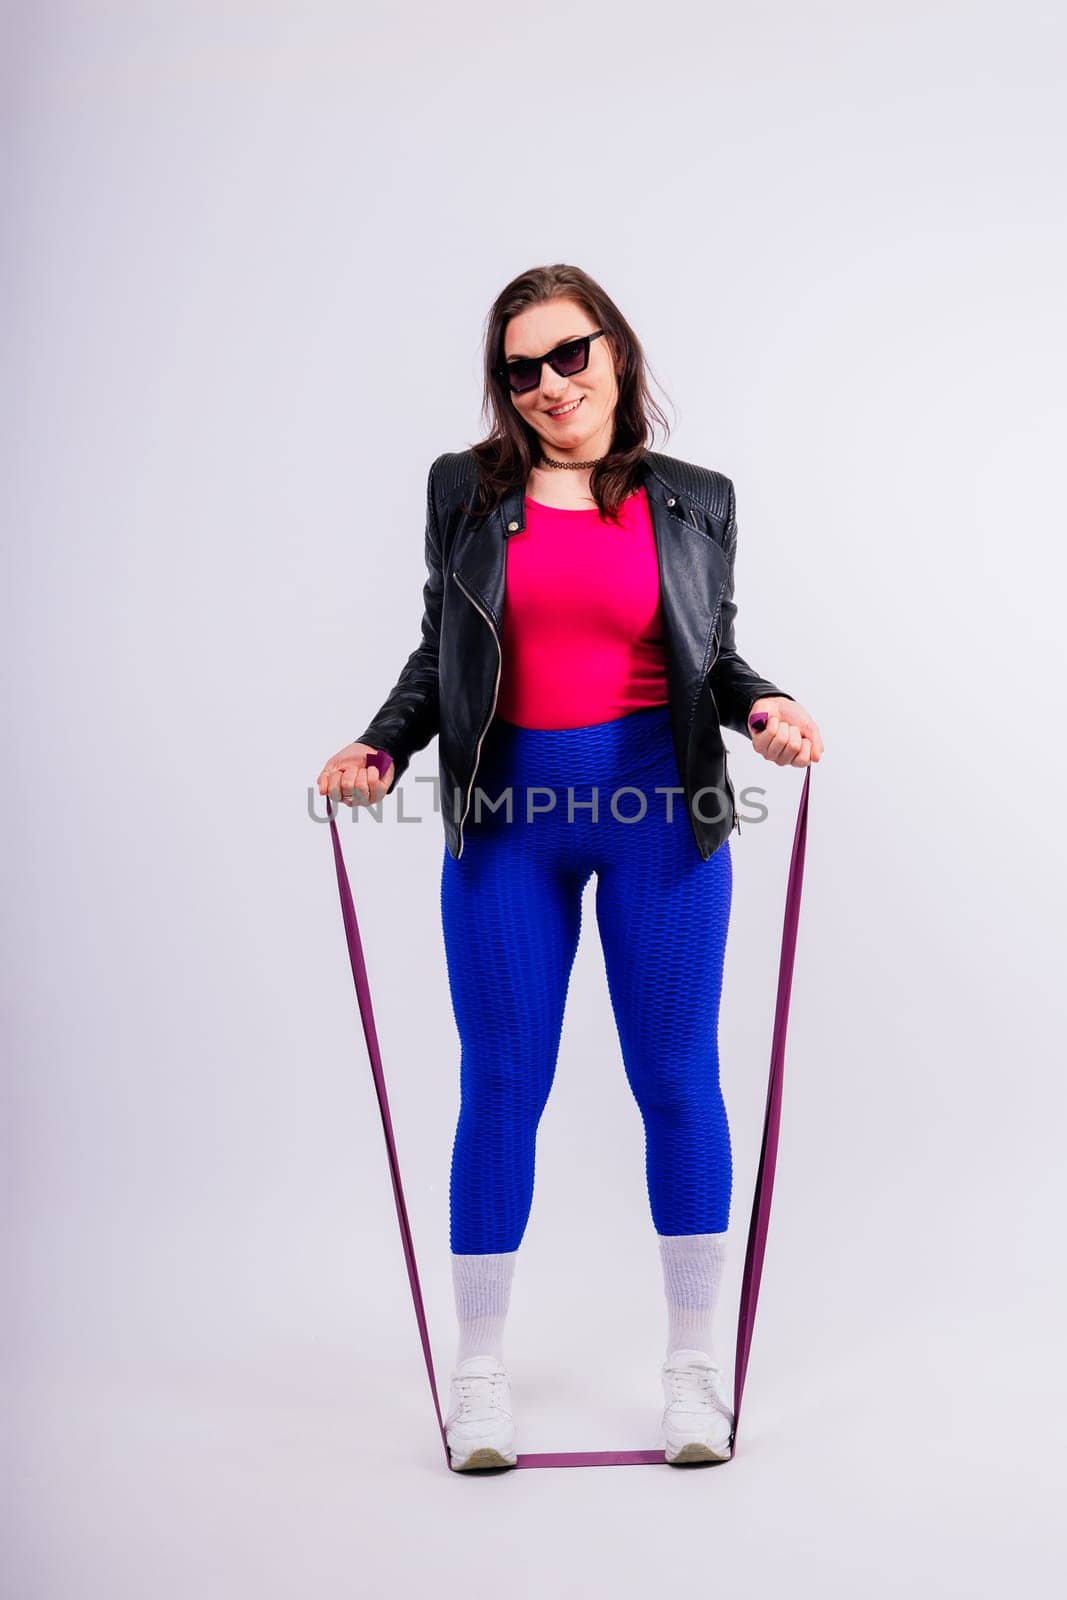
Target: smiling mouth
<point x="566" y="410"/>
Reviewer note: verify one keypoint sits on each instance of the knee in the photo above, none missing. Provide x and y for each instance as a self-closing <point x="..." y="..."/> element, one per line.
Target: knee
<point x="495" y="1086"/>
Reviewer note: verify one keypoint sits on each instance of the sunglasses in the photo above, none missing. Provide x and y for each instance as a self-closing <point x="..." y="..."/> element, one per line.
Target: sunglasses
<point x="525" y="371"/>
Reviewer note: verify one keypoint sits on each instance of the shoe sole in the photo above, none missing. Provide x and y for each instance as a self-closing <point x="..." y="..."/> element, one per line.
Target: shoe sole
<point x="480" y="1460"/>
<point x="695" y="1452"/>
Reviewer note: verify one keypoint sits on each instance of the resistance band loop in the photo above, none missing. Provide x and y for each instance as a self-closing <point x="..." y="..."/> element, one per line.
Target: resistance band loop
<point x="761" y="1204"/>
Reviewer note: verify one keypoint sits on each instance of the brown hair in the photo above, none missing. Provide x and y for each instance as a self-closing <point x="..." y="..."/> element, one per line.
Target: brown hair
<point x="505" y="456"/>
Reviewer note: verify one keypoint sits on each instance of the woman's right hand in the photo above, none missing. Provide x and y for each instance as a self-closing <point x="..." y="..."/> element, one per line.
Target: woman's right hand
<point x="348" y="775"/>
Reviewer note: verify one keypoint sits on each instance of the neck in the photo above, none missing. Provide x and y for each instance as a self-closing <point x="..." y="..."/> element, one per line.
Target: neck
<point x="572" y="476"/>
<point x="555" y="488"/>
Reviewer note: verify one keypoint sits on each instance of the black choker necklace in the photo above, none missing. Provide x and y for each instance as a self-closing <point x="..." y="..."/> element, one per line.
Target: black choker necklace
<point x="571" y="466"/>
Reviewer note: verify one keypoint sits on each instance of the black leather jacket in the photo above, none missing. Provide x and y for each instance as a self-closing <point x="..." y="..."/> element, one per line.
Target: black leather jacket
<point x="449" y="684"/>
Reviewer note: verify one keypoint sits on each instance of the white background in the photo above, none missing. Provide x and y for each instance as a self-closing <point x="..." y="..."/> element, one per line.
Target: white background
<point x="249" y="250"/>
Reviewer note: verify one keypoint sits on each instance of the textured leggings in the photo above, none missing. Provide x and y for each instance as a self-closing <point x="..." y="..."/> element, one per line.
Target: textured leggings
<point x="511" y="914"/>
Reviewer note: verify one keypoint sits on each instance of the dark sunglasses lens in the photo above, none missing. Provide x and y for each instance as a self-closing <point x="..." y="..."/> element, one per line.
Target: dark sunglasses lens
<point x="523" y="375"/>
<point x="571" y="358"/>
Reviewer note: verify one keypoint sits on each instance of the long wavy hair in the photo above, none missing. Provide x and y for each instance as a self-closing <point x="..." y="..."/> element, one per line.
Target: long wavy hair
<point x="504" y="457"/>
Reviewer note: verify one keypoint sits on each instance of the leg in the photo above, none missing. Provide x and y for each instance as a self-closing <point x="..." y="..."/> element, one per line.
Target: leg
<point x="692" y="1275"/>
<point x="663" y="915"/>
<point x="511" y="916"/>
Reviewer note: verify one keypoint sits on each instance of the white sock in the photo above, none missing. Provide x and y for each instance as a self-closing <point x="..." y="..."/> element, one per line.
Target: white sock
<point x="482" y="1285"/>
<point x="692" y="1273"/>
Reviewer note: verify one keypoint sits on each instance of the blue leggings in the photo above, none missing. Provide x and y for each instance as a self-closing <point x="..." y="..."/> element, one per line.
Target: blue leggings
<point x="511" y="914"/>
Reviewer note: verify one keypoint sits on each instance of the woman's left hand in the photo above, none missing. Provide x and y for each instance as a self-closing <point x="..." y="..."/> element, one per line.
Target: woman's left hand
<point x="789" y="735"/>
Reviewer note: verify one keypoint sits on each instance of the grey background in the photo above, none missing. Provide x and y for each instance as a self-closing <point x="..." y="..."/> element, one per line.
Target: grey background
<point x="231" y="230"/>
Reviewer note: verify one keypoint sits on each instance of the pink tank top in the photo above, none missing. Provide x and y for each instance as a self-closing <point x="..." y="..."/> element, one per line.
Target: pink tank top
<point x="583" y="629"/>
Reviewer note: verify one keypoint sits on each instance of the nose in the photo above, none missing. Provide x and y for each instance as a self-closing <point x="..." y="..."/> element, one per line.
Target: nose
<point x="553" y="387"/>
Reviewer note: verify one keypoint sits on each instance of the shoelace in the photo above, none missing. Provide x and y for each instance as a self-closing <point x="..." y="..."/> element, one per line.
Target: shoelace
<point x="472" y="1390"/>
<point x="697" y="1383"/>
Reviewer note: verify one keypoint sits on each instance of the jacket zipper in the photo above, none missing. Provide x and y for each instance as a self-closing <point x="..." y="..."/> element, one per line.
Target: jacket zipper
<point x="725" y="768"/>
<point x="492" y="710"/>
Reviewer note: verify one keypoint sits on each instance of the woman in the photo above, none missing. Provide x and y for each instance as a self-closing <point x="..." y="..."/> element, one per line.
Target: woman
<point x="579" y="586"/>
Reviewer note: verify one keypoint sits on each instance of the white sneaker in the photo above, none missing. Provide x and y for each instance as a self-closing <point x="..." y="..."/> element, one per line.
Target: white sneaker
<point x="698" y="1423"/>
<point x="479" y="1426"/>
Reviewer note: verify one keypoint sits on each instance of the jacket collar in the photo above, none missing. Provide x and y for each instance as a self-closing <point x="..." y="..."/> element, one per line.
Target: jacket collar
<point x="666" y="501"/>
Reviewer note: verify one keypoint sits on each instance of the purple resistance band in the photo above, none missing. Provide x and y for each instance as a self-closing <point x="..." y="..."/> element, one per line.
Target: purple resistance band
<point x="761" y="1204"/>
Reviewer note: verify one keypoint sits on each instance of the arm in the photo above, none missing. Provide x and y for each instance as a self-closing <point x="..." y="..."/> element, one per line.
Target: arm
<point x="409" y="717"/>
<point x="734" y="683"/>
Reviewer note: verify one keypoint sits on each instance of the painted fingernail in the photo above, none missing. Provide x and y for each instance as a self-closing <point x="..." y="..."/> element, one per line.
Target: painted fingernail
<point x="758" y="721"/>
